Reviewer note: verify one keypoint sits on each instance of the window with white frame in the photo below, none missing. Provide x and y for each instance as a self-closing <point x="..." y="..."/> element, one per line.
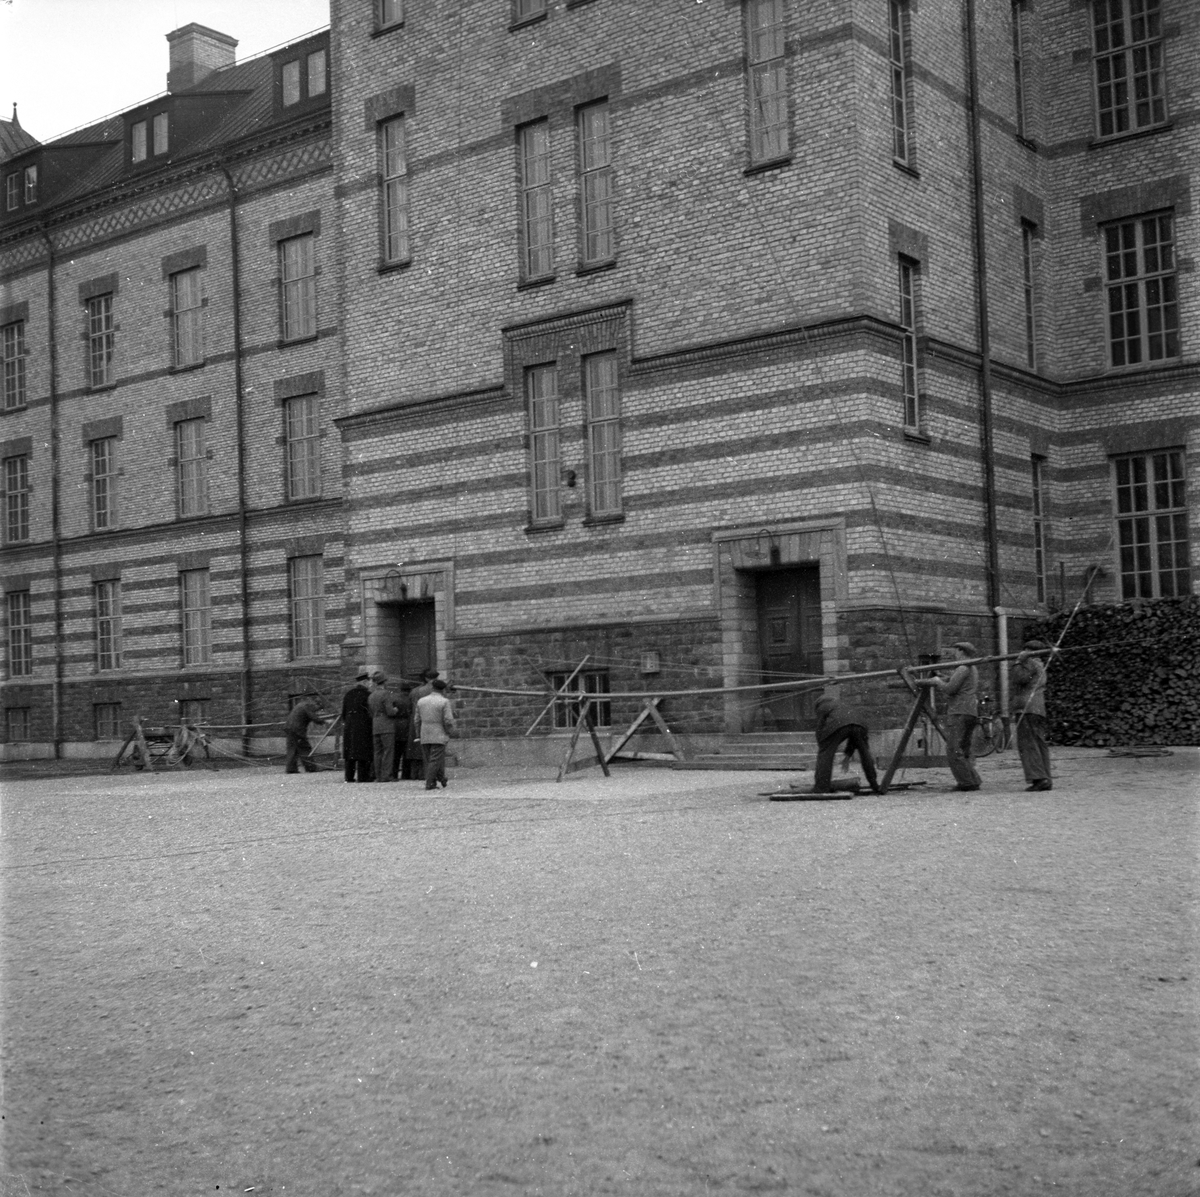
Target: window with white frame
<point x="191" y="455"/>
<point x="1037" y="472"/>
<point x="197" y="616"/>
<point x="103" y="454"/>
<point x="1143" y="310"/>
<point x="1029" y="290"/>
<point x="20" y="634"/>
<point x="1152" y="525"/>
<point x="31" y="184"/>
<point x="394" y="185"/>
<point x="17" y="724"/>
<point x="138" y="141"/>
<point x="898" y="21"/>
<point x="12" y="191"/>
<point x="101" y="340"/>
<point x="16" y="498"/>
<point x="537" y="223"/>
<point x="541" y="389"/>
<point x="187" y="317"/>
<point x="303" y="437"/>
<point x="592" y="684"/>
<point x="596" y="183"/>
<point x="306" y="589"/>
<point x="298" y="280"/>
<point x="1018" y="57"/>
<point x="315" y="64"/>
<point x="161" y="126"/>
<point x="766" y="35"/>
<point x="1131" y="88"/>
<point x="602" y="400"/>
<point x="12" y="345"/>
<point x="106" y="717"/>
<point x="290" y="79"/>
<point x="107" y="597"/>
<point x="908" y="341"/>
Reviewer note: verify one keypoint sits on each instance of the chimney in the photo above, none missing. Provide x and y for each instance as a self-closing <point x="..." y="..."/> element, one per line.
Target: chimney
<point x="197" y="51"/>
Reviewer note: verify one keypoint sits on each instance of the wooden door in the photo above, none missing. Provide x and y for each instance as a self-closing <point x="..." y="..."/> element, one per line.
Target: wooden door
<point x="789" y="635"/>
<point x="417" y="641"/>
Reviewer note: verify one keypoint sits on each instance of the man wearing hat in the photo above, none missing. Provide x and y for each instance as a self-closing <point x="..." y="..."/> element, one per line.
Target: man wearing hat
<point x="1028" y="681"/>
<point x="357" y="744"/>
<point x="295" y="728"/>
<point x="962" y="714"/>
<point x="383" y="710"/>
<point x="836" y="725"/>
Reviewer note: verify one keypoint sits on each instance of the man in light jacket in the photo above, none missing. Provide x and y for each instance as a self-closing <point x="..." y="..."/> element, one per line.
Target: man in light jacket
<point x="434" y="719"/>
<point x="1028" y="681"/>
<point x="962" y="714"/>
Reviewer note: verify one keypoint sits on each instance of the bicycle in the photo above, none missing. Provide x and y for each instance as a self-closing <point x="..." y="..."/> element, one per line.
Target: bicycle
<point x="991" y="733"/>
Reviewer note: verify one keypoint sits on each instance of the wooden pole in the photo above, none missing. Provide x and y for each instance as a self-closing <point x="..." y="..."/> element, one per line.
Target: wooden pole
<point x="557" y="694"/>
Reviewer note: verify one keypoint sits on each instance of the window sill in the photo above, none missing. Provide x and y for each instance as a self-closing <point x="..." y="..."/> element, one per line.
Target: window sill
<point x="557" y="526"/>
<point x="12" y="411"/>
<point x="102" y="386"/>
<point x="758" y="168"/>
<point x="1164" y="363"/>
<point x="394" y="267"/>
<point x="527" y="21"/>
<point x="185" y="369"/>
<point x="290" y="502"/>
<point x="384" y="30"/>
<point x="1100" y="143"/>
<point x="905" y="169"/>
<point x="282" y="344"/>
<point x="592" y="521"/>
<point x="917" y="436"/>
<point x="1027" y="142"/>
<point x="532" y="283"/>
<point x="596" y="267"/>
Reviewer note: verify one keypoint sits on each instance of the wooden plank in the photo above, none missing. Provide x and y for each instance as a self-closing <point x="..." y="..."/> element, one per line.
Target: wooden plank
<point x="558" y="693"/>
<point x="647" y="705"/>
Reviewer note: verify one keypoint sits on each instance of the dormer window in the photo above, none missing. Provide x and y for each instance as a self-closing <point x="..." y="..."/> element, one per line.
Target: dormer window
<point x="31" y="184"/>
<point x="160" y="133"/>
<point x="291" y="83"/>
<point x="12" y="192"/>
<point x="316" y="73"/>
<point x="137" y="141"/>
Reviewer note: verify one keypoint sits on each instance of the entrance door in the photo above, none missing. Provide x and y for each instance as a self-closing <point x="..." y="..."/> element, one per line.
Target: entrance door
<point x="789" y="637"/>
<point x="415" y="641"/>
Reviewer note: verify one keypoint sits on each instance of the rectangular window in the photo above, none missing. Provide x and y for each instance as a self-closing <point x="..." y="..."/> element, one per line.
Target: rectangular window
<point x="17" y="724"/>
<point x="298" y="276"/>
<point x="1130" y="81"/>
<point x="1143" y="313"/>
<point x="12" y="191"/>
<point x="187" y="317"/>
<point x="541" y="384"/>
<point x="102" y="340"/>
<point x="596" y="179"/>
<point x="537" y="210"/>
<point x="1152" y="525"/>
<point x="107" y="720"/>
<point x="192" y="457"/>
<point x="316" y="73"/>
<point x="12" y="345"/>
<point x="391" y="12"/>
<point x="104" y="482"/>
<point x="306" y="585"/>
<point x="31" y="174"/>
<point x="767" y="44"/>
<point x="137" y="141"/>
<point x="303" y="436"/>
<point x="197" y="616"/>
<point x="901" y="119"/>
<point x="603" y="407"/>
<point x="593" y="683"/>
<point x="20" y="634"/>
<point x="291" y="82"/>
<point x="160" y="133"/>
<point x="395" y="190"/>
<point x="1018" y="54"/>
<point x="1028" y="275"/>
<point x="108" y="625"/>
<point x="1037" y="465"/>
<point x="16" y="498"/>
<point x="908" y="323"/>
<point x="524" y="10"/>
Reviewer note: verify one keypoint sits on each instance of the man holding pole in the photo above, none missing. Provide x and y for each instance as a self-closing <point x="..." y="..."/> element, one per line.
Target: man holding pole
<point x="1028" y="680"/>
<point x="295" y="729"/>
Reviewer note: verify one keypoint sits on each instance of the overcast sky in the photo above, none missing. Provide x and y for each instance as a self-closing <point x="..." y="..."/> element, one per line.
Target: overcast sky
<point x="67" y="63"/>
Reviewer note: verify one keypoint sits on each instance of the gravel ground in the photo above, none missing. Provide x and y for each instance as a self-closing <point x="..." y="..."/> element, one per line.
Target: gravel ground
<point x="662" y="983"/>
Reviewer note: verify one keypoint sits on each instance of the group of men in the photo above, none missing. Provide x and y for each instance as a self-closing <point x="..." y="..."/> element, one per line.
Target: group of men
<point x="385" y="736"/>
<point x="841" y="725"/>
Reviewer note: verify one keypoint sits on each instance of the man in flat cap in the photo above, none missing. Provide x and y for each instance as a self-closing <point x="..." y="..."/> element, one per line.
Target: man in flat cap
<point x="358" y="747"/>
<point x="383" y="710"/>
<point x="962" y="714"/>
<point x="1027" y="678"/>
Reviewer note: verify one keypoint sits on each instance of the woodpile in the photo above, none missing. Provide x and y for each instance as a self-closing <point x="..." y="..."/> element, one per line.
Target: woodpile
<point x="1128" y="674"/>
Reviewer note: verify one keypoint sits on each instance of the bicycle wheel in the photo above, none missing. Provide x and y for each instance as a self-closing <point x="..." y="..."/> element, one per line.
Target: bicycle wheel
<point x="983" y="738"/>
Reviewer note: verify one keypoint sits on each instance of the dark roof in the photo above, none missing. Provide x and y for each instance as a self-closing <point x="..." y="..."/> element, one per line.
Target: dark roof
<point x="14" y="139"/>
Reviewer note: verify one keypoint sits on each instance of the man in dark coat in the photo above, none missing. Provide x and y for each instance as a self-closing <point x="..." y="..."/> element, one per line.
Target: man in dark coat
<point x="837" y="725"/>
<point x="358" y="744"/>
<point x="384" y="710"/>
<point x="295" y="730"/>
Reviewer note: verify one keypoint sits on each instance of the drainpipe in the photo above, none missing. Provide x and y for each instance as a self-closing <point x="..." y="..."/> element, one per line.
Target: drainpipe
<point x="56" y="703"/>
<point x="243" y="545"/>
<point x="985" y="341"/>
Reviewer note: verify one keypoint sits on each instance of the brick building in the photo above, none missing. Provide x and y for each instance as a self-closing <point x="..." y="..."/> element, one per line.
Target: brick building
<point x="719" y="341"/>
<point x="172" y="537"/>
